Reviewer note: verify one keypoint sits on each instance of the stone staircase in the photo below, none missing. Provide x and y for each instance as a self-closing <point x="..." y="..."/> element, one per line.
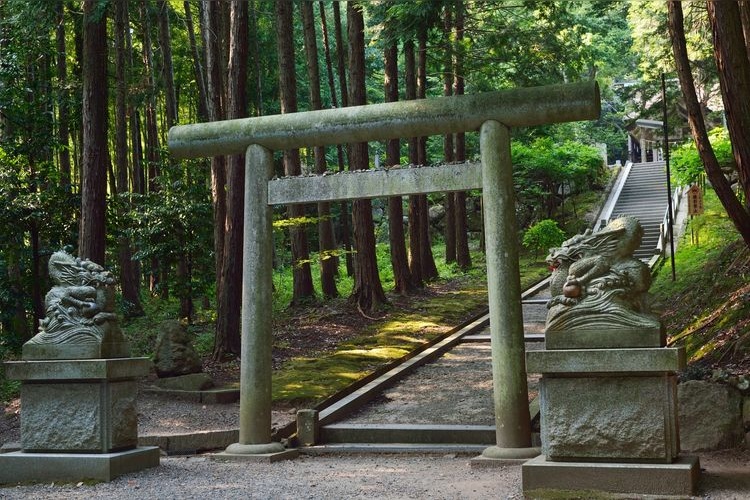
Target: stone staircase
<point x="644" y="196"/>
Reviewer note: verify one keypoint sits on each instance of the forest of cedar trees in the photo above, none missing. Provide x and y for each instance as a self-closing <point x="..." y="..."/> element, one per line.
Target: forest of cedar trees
<point x="89" y="90"/>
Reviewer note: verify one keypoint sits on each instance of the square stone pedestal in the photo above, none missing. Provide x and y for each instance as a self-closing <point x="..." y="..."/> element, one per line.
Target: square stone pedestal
<point x="78" y="420"/>
<point x="609" y="421"/>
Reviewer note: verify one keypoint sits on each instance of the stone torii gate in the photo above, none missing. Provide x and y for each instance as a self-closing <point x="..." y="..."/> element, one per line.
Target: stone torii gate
<point x="493" y="114"/>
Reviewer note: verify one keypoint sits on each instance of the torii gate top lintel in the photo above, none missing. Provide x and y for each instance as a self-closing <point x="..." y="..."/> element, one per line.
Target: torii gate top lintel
<point x="521" y="107"/>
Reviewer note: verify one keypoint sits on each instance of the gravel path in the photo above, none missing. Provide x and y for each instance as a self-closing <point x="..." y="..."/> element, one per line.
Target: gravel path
<point x="727" y="476"/>
<point x="455" y="389"/>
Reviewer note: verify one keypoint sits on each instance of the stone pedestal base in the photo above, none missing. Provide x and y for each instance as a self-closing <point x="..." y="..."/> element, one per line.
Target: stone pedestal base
<point x="79" y="406"/>
<point x="22" y="467"/>
<point x="678" y="478"/>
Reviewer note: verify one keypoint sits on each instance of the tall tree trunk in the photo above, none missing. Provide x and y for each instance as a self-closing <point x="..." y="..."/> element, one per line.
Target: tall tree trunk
<point x="165" y="41"/>
<point x="200" y="79"/>
<point x="63" y="111"/>
<point x="128" y="270"/>
<point x="156" y="284"/>
<point x="183" y="278"/>
<point x="463" y="256"/>
<point x="734" y="208"/>
<point x="399" y="260"/>
<point x="448" y="154"/>
<point x="91" y="238"/>
<point x="429" y="270"/>
<point x="341" y="65"/>
<point x="734" y="78"/>
<point x="415" y="235"/>
<point x="301" y="273"/>
<point x="327" y="244"/>
<point x="368" y="291"/>
<point x="230" y="301"/>
<point x="210" y="22"/>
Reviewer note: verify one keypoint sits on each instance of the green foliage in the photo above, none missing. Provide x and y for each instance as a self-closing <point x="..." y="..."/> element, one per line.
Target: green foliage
<point x="171" y="222"/>
<point x="707" y="308"/>
<point x="542" y="236"/>
<point x="544" y="171"/>
<point x="687" y="167"/>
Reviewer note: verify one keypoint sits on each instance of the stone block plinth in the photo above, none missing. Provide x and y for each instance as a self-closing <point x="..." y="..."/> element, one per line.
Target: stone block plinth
<point x="78" y="421"/>
<point x="622" y="419"/>
<point x="79" y="406"/>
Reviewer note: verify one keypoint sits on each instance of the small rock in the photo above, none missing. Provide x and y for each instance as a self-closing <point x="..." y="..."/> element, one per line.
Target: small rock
<point x="174" y="353"/>
<point x="710" y="416"/>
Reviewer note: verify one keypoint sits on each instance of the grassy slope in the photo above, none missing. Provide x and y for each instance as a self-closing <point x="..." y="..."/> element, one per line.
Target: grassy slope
<point x="707" y="309"/>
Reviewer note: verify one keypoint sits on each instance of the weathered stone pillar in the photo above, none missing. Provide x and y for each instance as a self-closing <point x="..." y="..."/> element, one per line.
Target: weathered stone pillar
<point x="255" y="362"/>
<point x="644" y="157"/>
<point x="510" y="391"/>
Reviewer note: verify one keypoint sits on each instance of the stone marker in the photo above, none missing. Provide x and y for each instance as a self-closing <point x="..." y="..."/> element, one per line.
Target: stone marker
<point x="78" y="386"/>
<point x="608" y="390"/>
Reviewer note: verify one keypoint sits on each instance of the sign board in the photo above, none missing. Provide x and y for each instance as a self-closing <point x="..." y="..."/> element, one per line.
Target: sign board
<point x="695" y="200"/>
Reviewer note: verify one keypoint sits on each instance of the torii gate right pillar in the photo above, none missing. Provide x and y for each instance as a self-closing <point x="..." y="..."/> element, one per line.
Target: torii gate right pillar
<point x="512" y="421"/>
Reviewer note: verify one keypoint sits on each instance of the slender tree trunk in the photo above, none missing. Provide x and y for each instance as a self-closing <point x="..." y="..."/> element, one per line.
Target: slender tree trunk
<point x="745" y="15"/>
<point x="156" y="284"/>
<point x="734" y="208"/>
<point x="448" y="154"/>
<point x="463" y="256"/>
<point x="399" y="260"/>
<point x="327" y="244"/>
<point x="429" y="270"/>
<point x="343" y="205"/>
<point x="734" y="78"/>
<point x="63" y="111"/>
<point x="128" y="270"/>
<point x="341" y="64"/>
<point x="165" y="40"/>
<point x="415" y="235"/>
<point x="368" y="291"/>
<point x="200" y="79"/>
<point x="302" y="275"/>
<point x="137" y="173"/>
<point x="230" y="300"/>
<point x="91" y="238"/>
<point x="210" y="21"/>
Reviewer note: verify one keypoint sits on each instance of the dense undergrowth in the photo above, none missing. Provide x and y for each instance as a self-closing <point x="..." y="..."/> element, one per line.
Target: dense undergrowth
<point x="707" y="308"/>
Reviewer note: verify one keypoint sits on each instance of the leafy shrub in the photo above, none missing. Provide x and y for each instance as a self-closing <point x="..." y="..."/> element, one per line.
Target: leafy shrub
<point x="687" y="167"/>
<point x="542" y="236"/>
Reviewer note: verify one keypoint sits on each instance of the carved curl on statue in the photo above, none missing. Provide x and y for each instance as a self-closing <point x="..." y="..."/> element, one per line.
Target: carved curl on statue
<point x="596" y="283"/>
<point x="79" y="309"/>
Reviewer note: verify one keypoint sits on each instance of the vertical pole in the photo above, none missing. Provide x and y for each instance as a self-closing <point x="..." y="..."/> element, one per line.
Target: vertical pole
<point x="510" y="390"/>
<point x="644" y="157"/>
<point x="255" y="362"/>
<point x="670" y="210"/>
